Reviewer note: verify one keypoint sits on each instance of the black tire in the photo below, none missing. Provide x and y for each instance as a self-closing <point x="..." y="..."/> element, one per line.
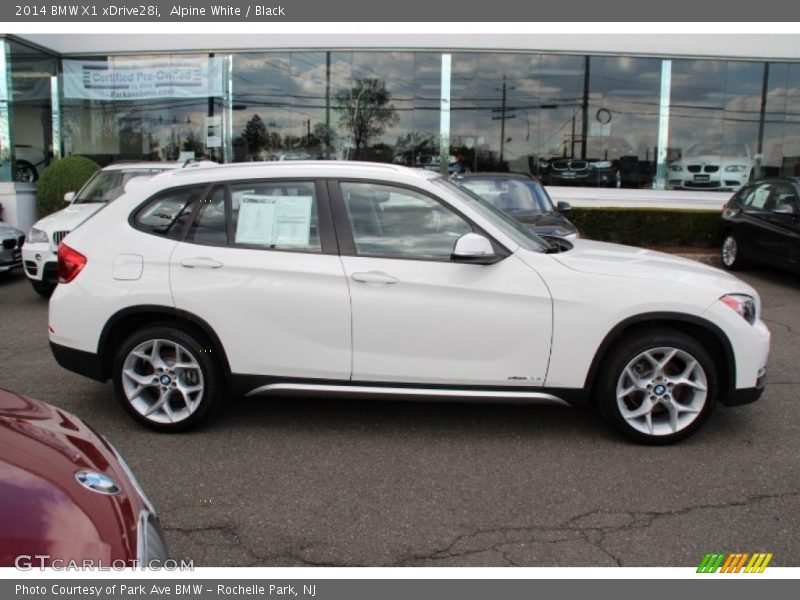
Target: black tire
<point x="210" y="379"/>
<point x="43" y="288"/>
<point x="695" y="404"/>
<point x="731" y="252"/>
<point x="26" y="172"/>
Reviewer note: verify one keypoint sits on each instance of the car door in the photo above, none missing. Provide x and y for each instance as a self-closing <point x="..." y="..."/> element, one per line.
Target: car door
<point x="753" y="225"/>
<point x="781" y="241"/>
<point x="259" y="264"/>
<point x="420" y="317"/>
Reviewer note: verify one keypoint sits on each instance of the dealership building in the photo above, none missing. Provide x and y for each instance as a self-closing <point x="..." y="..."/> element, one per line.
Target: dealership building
<point x="650" y="117"/>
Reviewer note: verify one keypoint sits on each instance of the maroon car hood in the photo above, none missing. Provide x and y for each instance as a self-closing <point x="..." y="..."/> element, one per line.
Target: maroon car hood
<point x="43" y="508"/>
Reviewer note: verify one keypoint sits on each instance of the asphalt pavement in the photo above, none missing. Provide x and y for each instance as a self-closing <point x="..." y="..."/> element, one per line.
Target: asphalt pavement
<point x="357" y="483"/>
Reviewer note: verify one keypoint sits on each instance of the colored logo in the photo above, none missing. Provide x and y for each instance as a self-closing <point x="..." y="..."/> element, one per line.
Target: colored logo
<point x="735" y="562"/>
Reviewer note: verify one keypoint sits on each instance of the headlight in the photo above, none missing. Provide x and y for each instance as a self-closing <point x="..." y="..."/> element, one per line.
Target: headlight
<point x="36" y="236"/>
<point x="676" y="168"/>
<point x="744" y="305"/>
<point x="735" y="168"/>
<point x="603" y="164"/>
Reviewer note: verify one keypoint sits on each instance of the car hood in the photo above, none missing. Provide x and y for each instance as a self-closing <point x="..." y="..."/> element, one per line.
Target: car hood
<point x="7" y="230"/>
<point x="544" y="222"/>
<point x="600" y="258"/>
<point x="716" y="159"/>
<point x="68" y="218"/>
<point x="44" y="508"/>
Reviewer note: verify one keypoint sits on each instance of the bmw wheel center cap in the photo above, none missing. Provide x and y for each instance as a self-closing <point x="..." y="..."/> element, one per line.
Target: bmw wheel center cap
<point x="659" y="390"/>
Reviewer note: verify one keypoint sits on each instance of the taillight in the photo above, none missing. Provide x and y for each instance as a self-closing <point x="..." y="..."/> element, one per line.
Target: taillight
<point x="70" y="263"/>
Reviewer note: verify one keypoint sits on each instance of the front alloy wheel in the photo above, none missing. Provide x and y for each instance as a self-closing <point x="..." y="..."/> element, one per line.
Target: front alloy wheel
<point x="165" y="380"/>
<point x="660" y="388"/>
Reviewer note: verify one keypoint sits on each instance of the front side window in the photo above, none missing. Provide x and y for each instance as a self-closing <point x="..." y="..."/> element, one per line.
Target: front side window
<point x="276" y="215"/>
<point x="395" y="222"/>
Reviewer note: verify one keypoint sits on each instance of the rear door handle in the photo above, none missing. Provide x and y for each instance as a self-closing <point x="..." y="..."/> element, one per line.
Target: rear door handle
<point x="374" y="277"/>
<point x="201" y="262"/>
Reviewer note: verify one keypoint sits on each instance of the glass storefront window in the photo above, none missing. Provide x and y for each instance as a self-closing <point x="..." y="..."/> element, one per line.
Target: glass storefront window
<point x="31" y="125"/>
<point x="571" y="120"/>
<point x="379" y="106"/>
<point x="162" y="108"/>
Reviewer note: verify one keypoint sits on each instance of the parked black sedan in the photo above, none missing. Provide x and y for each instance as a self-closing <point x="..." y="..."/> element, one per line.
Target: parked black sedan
<point x="761" y="223"/>
<point x="522" y="197"/>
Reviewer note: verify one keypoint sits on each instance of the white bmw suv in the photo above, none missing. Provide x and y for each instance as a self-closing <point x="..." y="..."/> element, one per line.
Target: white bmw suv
<point x="356" y="279"/>
<point x="39" y="250"/>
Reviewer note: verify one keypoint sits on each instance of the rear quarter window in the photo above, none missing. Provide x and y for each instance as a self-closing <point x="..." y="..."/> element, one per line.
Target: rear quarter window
<point x="167" y="213"/>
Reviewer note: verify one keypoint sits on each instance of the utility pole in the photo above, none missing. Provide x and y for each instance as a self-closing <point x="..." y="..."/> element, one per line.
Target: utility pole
<point x="502" y="118"/>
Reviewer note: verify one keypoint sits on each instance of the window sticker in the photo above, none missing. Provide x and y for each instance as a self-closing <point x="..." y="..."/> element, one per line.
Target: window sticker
<point x="274" y="220"/>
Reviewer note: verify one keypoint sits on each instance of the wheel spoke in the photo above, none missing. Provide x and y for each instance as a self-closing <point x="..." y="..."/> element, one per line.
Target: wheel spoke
<point x="645" y="409"/>
<point x="139" y="379"/>
<point x="673" y="411"/>
<point x="157" y="405"/>
<point x="665" y="361"/>
<point x="637" y="382"/>
<point x="688" y="382"/>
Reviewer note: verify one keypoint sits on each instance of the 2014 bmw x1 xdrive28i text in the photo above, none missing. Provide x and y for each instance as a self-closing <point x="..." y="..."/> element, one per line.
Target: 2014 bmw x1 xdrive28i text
<point x="360" y="279"/>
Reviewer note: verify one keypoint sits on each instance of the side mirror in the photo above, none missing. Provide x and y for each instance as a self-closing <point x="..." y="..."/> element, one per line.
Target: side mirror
<point x="564" y="206"/>
<point x="69" y="197"/>
<point x="783" y="209"/>
<point x="474" y="248"/>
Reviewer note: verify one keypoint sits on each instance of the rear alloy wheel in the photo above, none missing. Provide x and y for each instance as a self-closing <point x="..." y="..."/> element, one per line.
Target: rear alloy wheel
<point x="731" y="257"/>
<point x="166" y="379"/>
<point x="659" y="387"/>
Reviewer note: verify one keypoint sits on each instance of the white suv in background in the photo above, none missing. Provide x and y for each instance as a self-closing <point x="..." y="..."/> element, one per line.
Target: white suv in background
<point x="356" y="279"/>
<point x="39" y="250"/>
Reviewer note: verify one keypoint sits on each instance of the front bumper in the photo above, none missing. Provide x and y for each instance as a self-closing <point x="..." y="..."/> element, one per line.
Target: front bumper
<point x="41" y="263"/>
<point x="746" y="395"/>
<point x="10" y="258"/>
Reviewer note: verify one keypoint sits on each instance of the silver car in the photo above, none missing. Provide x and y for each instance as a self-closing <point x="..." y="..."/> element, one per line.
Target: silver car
<point x="11" y="240"/>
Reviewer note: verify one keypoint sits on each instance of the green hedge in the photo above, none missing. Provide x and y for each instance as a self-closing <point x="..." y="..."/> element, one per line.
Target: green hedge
<point x="65" y="175"/>
<point x="649" y="226"/>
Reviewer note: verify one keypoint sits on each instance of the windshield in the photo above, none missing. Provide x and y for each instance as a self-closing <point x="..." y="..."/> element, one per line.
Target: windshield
<point x="109" y="185"/>
<point x="510" y="226"/>
<point x="731" y="150"/>
<point x="512" y="196"/>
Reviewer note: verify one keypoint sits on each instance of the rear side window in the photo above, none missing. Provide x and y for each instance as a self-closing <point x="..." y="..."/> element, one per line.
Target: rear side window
<point x="756" y="199"/>
<point x="276" y="215"/>
<point x="167" y="213"/>
<point x="210" y="226"/>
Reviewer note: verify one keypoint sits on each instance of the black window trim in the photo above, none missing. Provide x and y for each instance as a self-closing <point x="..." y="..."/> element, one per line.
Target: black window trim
<point x="327" y="235"/>
<point x="344" y="232"/>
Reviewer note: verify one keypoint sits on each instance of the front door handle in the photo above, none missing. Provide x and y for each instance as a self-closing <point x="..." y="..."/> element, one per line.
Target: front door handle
<point x="201" y="262"/>
<point x="374" y="277"/>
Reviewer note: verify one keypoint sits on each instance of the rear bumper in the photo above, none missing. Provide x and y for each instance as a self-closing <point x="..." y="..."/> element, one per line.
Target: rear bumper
<point x="83" y="363"/>
<point x="746" y="395"/>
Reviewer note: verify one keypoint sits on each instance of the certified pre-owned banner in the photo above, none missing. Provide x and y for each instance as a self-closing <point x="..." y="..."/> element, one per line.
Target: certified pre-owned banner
<point x="127" y="79"/>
